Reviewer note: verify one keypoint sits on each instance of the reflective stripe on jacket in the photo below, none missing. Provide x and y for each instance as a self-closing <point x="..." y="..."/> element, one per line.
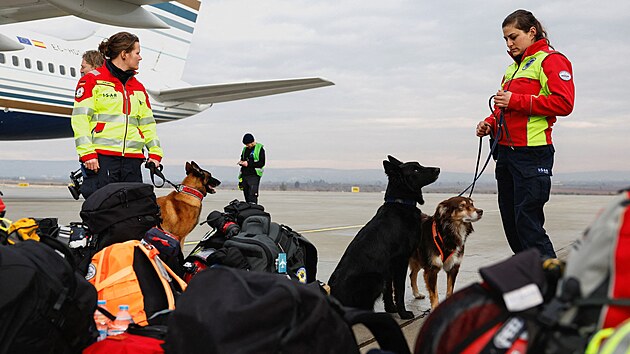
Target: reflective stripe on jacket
<point x="111" y="119"/>
<point x="542" y="88"/>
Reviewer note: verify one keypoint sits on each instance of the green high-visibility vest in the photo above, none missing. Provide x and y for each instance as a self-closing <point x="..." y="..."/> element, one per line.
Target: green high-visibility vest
<point x="257" y="148"/>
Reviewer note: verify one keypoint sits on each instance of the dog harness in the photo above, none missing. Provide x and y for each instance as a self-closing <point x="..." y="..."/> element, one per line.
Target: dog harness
<point x="439" y="242"/>
<point x="190" y="191"/>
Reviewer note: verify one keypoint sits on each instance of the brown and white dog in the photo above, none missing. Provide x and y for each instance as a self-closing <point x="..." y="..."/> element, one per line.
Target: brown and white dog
<point x="181" y="208"/>
<point x="442" y="245"/>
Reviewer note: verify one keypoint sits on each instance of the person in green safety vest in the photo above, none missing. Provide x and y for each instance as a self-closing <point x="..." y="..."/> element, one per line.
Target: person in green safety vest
<point x="252" y="162"/>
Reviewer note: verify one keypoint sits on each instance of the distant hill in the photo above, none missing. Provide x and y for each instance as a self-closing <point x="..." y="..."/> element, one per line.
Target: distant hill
<point x="58" y="172"/>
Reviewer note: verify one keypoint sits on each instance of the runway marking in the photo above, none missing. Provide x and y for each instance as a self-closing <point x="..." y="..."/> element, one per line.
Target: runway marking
<point x="331" y="229"/>
<point x="189" y="243"/>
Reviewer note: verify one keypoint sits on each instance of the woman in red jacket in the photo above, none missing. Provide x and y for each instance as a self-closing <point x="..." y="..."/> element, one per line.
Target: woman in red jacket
<point x="535" y="89"/>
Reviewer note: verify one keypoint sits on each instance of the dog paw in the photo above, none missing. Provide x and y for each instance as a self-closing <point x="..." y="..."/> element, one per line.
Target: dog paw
<point x="406" y="315"/>
<point x="419" y="295"/>
<point x="390" y="308"/>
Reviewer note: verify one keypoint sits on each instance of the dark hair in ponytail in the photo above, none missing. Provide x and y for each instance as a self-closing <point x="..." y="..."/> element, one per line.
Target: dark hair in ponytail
<point x="524" y="20"/>
<point x="122" y="41"/>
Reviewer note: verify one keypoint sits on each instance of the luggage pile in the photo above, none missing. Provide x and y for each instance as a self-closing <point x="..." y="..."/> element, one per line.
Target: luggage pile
<point x="249" y="286"/>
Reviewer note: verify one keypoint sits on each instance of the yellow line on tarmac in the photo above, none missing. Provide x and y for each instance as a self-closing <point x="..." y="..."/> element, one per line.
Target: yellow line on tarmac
<point x="303" y="232"/>
<point x="331" y="229"/>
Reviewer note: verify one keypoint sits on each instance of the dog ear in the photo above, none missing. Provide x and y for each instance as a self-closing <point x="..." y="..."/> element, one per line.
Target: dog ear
<point x="189" y="167"/>
<point x="441" y="211"/>
<point x="394" y="160"/>
<point x="390" y="168"/>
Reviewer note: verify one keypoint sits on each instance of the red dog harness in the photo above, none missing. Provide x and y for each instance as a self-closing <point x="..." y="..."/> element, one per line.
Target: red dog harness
<point x="439" y="242"/>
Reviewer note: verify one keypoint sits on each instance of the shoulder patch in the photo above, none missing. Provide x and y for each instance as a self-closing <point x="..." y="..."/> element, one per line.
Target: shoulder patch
<point x="529" y="63"/>
<point x="565" y="75"/>
<point x="79" y="92"/>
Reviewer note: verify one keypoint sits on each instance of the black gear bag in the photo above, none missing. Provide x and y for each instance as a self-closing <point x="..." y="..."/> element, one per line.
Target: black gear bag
<point x="46" y="306"/>
<point x="115" y="213"/>
<point x="226" y="310"/>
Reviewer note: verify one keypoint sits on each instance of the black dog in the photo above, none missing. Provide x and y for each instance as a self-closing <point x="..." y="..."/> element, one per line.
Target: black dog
<point x="377" y="257"/>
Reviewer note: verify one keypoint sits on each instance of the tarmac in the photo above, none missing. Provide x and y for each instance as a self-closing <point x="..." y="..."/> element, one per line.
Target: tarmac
<point x="331" y="219"/>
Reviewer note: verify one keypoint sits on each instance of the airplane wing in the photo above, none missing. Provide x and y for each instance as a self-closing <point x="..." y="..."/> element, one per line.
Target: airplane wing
<point x="122" y="13"/>
<point x="206" y="94"/>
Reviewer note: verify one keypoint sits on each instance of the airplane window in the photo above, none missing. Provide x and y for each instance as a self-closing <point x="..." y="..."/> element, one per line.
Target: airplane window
<point x="2" y="59"/>
<point x="15" y="60"/>
<point x="51" y="67"/>
<point x="73" y="72"/>
<point x="40" y="66"/>
<point x="27" y="63"/>
<point x="62" y="69"/>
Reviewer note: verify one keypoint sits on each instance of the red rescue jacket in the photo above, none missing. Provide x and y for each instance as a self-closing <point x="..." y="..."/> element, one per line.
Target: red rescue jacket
<point x="542" y="88"/>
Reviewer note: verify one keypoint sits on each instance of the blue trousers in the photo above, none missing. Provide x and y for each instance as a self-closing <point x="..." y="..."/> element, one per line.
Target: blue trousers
<point x="524" y="183"/>
<point x="111" y="169"/>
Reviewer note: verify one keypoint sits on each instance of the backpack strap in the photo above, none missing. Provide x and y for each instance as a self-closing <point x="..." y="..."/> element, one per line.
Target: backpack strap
<point x="166" y="274"/>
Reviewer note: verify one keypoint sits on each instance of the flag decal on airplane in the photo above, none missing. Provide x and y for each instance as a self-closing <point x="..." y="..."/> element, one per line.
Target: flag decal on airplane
<point x="24" y="40"/>
<point x="38" y="43"/>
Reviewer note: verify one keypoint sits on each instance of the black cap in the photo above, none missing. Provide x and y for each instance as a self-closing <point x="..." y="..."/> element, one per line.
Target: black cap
<point x="248" y="138"/>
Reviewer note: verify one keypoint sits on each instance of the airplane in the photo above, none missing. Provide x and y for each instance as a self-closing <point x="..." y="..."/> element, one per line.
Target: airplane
<point x="39" y="71"/>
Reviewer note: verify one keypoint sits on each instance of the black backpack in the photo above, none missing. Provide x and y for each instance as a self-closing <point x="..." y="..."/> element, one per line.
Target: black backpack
<point x="226" y="310"/>
<point x="46" y="306"/>
<point x="117" y="212"/>
<point x="261" y="241"/>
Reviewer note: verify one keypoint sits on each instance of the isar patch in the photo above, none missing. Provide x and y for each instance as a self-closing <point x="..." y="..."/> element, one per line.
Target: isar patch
<point x="79" y="92"/>
<point x="565" y="75"/>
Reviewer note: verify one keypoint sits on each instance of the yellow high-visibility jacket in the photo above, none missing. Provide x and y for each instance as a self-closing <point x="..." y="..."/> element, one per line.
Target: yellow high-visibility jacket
<point x="110" y="118"/>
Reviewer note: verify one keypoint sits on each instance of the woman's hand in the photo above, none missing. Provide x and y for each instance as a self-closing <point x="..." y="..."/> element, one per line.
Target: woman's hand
<point x="156" y="162"/>
<point x="502" y="98"/>
<point x="483" y="128"/>
<point x="92" y="165"/>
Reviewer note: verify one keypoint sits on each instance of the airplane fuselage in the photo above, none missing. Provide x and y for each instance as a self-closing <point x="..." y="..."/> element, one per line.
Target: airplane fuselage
<point x="37" y="83"/>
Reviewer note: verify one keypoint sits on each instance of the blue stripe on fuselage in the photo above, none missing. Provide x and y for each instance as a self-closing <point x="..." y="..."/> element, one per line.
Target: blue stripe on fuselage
<point x="30" y="126"/>
<point x="177" y="11"/>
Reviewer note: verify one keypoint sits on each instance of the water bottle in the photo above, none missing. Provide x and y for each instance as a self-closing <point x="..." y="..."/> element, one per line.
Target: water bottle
<point x="102" y="322"/>
<point x="122" y="321"/>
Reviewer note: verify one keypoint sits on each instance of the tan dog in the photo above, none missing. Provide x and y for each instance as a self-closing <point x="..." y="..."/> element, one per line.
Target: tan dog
<point x="442" y="245"/>
<point x="181" y="208"/>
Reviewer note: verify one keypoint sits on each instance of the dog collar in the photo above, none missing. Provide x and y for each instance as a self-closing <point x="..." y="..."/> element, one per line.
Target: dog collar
<point x="190" y="191"/>
<point x="439" y="242"/>
<point x="400" y="201"/>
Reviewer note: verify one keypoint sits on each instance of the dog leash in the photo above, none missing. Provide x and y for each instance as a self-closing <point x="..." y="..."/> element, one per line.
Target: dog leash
<point x="493" y="145"/>
<point x="493" y="142"/>
<point x="157" y="171"/>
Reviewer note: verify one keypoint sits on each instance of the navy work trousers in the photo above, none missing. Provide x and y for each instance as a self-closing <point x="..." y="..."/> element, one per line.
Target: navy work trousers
<point x="250" y="188"/>
<point x="111" y="169"/>
<point x="524" y="183"/>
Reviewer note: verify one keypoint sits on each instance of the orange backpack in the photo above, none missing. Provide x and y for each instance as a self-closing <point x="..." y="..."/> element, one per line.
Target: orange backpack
<point x="131" y="273"/>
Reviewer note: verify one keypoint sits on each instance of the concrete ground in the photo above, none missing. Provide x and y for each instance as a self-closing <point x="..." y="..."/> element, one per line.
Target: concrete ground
<point x="330" y="220"/>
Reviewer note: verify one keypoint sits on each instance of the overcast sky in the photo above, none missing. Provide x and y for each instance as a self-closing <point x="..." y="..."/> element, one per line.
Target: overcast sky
<point x="412" y="79"/>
